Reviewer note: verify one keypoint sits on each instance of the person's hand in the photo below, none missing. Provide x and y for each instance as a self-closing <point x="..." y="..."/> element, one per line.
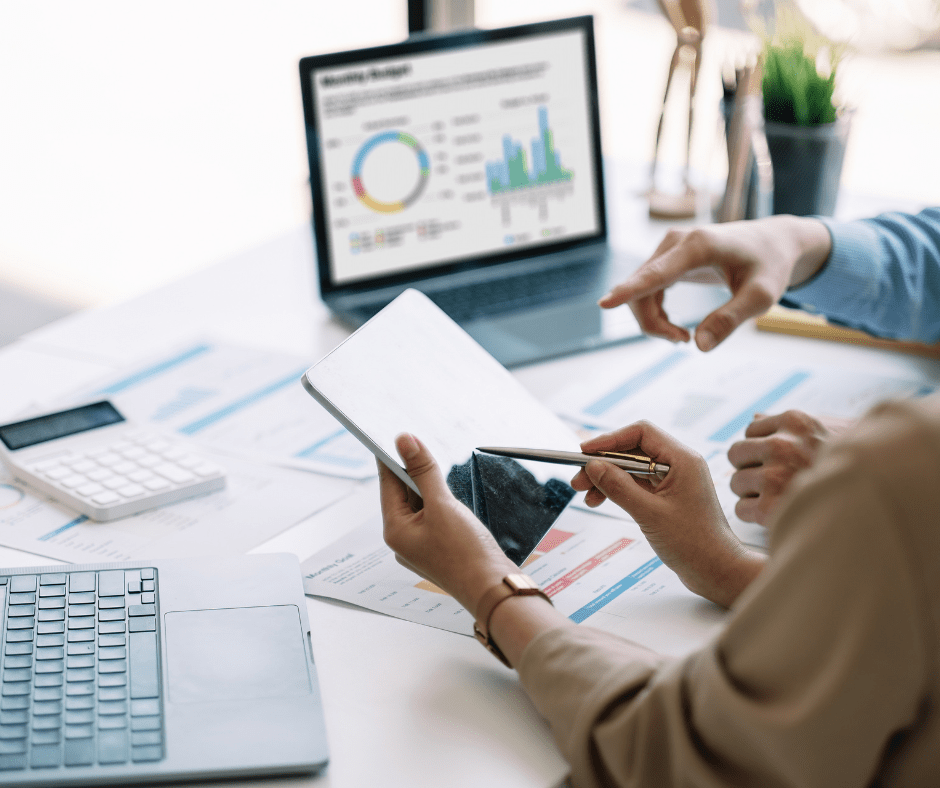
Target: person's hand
<point x="757" y="260"/>
<point x="774" y="449"/>
<point x="680" y="515"/>
<point x="435" y="535"/>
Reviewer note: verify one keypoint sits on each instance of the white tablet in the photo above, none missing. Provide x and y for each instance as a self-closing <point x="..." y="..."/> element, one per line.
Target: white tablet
<point x="413" y="369"/>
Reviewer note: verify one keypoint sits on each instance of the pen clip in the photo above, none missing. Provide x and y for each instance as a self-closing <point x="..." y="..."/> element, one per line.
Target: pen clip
<point x="627" y="455"/>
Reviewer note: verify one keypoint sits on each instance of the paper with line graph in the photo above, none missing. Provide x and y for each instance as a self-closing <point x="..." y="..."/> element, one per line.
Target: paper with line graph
<point x="597" y="571"/>
<point x="707" y="401"/>
<point x="237" y="400"/>
<point x="259" y="502"/>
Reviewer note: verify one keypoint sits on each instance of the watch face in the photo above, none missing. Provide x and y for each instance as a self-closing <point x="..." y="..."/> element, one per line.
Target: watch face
<point x="521" y="584"/>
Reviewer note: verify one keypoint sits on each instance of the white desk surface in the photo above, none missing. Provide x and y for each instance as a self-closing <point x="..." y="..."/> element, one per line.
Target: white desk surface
<point x="405" y="704"/>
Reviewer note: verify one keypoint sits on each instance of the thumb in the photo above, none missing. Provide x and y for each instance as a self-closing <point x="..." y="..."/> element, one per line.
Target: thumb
<point x="421" y="466"/>
<point x="620" y="487"/>
<point x="750" y="301"/>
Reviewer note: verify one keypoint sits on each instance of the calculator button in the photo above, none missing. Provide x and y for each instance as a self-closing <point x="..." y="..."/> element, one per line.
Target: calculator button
<point x="124" y="467"/>
<point x="89" y="489"/>
<point x="149" y="460"/>
<point x="140" y="476"/>
<point x="109" y="459"/>
<point x="133" y="453"/>
<point x="139" y="436"/>
<point x="105" y="498"/>
<point x="131" y="491"/>
<point x="115" y="483"/>
<point x="173" y="473"/>
<point x="59" y="472"/>
<point x="156" y="484"/>
<point x="189" y="462"/>
<point x="100" y="475"/>
<point x="71" y="459"/>
<point x="174" y="454"/>
<point x="84" y="466"/>
<point x="41" y="467"/>
<point x="158" y="446"/>
<point x="72" y="482"/>
<point x="206" y="469"/>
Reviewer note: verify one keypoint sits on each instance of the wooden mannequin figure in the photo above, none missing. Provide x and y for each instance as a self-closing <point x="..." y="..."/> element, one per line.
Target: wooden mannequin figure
<point x="690" y="18"/>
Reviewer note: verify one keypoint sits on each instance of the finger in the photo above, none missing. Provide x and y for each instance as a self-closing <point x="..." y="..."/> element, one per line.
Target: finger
<point x="764" y="426"/>
<point x="594" y="498"/>
<point x="748" y="453"/>
<point x="747" y="483"/>
<point x="620" y="487"/>
<point x="654" y="321"/>
<point x="748" y="509"/>
<point x="581" y="482"/>
<point x="750" y="301"/>
<point x="421" y="467"/>
<point x="663" y="269"/>
<point x="393" y="494"/>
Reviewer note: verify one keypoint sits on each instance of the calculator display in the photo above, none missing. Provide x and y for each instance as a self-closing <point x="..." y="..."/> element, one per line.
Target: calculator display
<point x="57" y="425"/>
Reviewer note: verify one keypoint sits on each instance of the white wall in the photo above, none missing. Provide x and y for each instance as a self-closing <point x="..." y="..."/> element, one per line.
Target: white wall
<point x="140" y="141"/>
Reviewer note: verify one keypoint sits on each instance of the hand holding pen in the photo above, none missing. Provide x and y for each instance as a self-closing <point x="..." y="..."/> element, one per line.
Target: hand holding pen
<point x="680" y="515"/>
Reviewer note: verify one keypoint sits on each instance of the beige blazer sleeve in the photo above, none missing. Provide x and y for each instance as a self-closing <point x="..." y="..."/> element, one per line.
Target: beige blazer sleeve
<point x="820" y="675"/>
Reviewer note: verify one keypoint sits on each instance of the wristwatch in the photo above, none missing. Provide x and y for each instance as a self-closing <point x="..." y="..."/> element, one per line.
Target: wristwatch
<point x="512" y="585"/>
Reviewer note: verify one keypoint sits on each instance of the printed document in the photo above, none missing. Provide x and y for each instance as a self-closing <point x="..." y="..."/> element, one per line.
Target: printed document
<point x="707" y="400"/>
<point x="597" y="570"/>
<point x="237" y="400"/>
<point x="258" y="503"/>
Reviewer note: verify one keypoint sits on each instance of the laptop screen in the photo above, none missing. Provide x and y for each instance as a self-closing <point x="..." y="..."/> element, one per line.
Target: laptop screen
<point x="479" y="148"/>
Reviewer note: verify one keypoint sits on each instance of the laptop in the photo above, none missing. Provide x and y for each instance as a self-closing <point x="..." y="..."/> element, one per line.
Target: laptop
<point x="157" y="671"/>
<point x="468" y="166"/>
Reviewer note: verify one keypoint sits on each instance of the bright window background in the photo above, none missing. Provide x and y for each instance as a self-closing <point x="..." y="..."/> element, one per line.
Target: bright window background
<point x="142" y="141"/>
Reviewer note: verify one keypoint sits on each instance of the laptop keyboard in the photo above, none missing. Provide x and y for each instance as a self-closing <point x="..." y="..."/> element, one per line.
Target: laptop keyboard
<point x="80" y="683"/>
<point x="509" y="294"/>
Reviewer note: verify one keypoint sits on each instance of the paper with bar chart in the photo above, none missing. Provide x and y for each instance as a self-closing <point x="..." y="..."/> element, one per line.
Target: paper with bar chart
<point x="597" y="571"/>
<point x="237" y="400"/>
<point x="707" y="401"/>
<point x="453" y="154"/>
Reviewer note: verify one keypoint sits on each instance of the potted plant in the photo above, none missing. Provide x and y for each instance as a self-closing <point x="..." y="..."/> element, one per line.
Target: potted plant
<point x="806" y="130"/>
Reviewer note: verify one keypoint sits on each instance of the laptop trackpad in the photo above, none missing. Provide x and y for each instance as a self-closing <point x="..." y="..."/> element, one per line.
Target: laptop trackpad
<point x="235" y="654"/>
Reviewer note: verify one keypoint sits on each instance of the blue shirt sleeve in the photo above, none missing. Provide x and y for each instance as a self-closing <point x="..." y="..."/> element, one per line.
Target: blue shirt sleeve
<point x="883" y="277"/>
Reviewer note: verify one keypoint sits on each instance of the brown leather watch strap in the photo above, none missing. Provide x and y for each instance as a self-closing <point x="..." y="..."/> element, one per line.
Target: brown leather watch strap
<point x="512" y="585"/>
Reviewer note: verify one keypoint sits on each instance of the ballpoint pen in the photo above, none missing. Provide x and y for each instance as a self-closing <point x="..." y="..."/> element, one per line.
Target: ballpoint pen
<point x="634" y="462"/>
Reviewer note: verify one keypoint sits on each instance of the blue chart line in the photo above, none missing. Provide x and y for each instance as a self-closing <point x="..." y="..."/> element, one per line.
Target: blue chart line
<point x="634" y="384"/>
<point x="59" y="530"/>
<point x="615" y="590"/>
<point x="313" y="452"/>
<point x="156" y="369"/>
<point x="740" y="421"/>
<point x="244" y="402"/>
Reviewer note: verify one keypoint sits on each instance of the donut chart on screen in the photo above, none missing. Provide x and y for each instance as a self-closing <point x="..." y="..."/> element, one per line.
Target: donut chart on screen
<point x="386" y="138"/>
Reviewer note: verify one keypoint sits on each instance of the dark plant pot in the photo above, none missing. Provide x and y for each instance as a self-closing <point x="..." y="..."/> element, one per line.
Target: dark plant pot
<point x="807" y="164"/>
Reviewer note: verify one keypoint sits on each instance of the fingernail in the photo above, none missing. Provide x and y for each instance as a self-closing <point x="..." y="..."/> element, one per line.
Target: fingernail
<point x="705" y="339"/>
<point x="407" y="446"/>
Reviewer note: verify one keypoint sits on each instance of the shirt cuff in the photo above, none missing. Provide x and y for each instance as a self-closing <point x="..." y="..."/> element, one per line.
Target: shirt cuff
<point x="848" y="276"/>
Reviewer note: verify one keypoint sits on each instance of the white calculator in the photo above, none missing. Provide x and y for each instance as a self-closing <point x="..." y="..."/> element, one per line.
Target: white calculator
<point x="95" y="461"/>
